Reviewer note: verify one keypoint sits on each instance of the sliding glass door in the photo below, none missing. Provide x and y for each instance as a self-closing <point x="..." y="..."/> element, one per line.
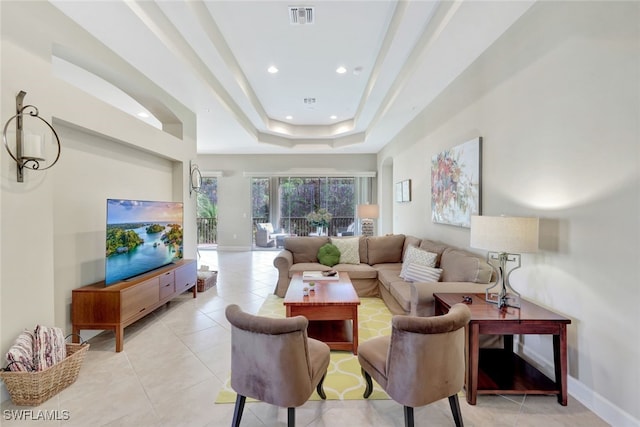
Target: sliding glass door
<point x="283" y="204"/>
<point x="300" y="196"/>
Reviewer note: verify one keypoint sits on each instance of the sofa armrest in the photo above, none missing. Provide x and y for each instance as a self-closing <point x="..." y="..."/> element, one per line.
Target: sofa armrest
<point x="283" y="262"/>
<point x="422" y="301"/>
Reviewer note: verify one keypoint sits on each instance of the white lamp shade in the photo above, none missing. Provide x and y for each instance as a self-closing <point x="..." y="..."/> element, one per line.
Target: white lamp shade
<point x="368" y="211"/>
<point x="504" y="234"/>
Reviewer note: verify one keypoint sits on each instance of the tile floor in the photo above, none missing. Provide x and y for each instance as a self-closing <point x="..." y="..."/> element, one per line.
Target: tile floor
<point x="176" y="359"/>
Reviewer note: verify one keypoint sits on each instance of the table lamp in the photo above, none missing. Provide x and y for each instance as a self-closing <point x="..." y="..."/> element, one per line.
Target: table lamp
<point x="367" y="213"/>
<point x="505" y="238"/>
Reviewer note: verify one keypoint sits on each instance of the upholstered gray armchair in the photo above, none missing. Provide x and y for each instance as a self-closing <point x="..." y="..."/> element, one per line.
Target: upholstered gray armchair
<point x="263" y="235"/>
<point x="274" y="361"/>
<point x="421" y="362"/>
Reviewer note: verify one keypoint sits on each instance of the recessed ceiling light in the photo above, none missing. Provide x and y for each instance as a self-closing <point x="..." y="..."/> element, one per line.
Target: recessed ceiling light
<point x="289" y="117"/>
<point x="341" y="70"/>
<point x="272" y="69"/>
<point x="333" y="117"/>
<point x="143" y="114"/>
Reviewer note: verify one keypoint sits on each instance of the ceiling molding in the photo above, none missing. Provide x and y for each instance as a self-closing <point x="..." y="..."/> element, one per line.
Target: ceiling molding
<point x="398" y="60"/>
<point x="157" y="22"/>
<point x="293" y="143"/>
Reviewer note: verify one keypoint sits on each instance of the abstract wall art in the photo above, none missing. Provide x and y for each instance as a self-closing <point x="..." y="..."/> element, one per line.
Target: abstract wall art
<point x="455" y="184"/>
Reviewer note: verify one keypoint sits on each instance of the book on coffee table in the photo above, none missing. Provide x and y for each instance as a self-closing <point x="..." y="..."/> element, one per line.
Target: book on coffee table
<point x="318" y="275"/>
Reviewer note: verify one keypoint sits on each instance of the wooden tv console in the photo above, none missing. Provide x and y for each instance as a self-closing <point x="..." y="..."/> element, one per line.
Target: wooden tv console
<point x="118" y="305"/>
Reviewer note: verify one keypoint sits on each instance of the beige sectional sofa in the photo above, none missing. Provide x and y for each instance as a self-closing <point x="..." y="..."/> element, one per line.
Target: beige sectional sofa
<point x="378" y="272"/>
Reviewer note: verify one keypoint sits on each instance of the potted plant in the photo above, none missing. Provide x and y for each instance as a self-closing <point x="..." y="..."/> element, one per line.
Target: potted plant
<point x="320" y="219"/>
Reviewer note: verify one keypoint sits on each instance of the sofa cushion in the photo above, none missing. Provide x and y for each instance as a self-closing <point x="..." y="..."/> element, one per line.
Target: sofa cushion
<point x="381" y="249"/>
<point x="364" y="257"/>
<point x="462" y="266"/>
<point x="357" y="271"/>
<point x="306" y="266"/>
<point x="408" y="242"/>
<point x="386" y="276"/>
<point x="304" y="249"/>
<point x="435" y="247"/>
<point x="415" y="255"/>
<point x="329" y="255"/>
<point x="349" y="249"/>
<point x="401" y="291"/>
<point x="416" y="272"/>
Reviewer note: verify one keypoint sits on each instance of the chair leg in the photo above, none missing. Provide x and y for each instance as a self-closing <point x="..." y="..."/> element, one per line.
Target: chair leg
<point x="455" y="410"/>
<point x="291" y="417"/>
<point x="320" y="389"/>
<point x="237" y="412"/>
<point x="367" y="378"/>
<point x="408" y="416"/>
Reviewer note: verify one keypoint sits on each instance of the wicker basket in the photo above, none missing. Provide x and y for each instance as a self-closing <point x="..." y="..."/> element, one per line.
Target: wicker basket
<point x="208" y="281"/>
<point x="33" y="388"/>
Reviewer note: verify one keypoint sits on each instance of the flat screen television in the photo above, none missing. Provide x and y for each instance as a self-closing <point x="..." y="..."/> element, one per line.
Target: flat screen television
<point x="141" y="236"/>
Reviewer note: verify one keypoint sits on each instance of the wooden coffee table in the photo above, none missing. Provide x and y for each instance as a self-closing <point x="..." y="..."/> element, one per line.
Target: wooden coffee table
<point x="332" y="310"/>
<point x="501" y="371"/>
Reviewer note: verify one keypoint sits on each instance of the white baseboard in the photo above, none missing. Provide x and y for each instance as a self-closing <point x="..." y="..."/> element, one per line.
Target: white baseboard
<point x="596" y="403"/>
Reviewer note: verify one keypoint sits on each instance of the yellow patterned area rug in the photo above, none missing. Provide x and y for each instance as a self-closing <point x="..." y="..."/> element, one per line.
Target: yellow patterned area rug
<point x="344" y="380"/>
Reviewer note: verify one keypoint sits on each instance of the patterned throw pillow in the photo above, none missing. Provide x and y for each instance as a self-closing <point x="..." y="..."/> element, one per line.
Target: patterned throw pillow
<point x="349" y="250"/>
<point x="21" y="352"/>
<point x="417" y="256"/>
<point x="422" y="273"/>
<point x="49" y="347"/>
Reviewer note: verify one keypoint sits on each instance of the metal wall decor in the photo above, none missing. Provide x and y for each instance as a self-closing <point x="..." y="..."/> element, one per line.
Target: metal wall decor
<point x="195" y="178"/>
<point x="29" y="151"/>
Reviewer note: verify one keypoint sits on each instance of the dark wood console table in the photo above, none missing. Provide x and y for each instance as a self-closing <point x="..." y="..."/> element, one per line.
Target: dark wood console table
<point x="501" y="371"/>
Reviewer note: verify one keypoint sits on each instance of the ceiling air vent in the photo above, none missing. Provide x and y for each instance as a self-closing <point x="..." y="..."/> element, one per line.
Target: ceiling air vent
<point x="301" y="15"/>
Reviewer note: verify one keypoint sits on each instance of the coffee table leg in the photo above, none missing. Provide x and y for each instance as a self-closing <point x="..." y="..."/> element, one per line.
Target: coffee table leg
<point x="355" y="329"/>
<point x="560" y="363"/>
<point x="473" y="360"/>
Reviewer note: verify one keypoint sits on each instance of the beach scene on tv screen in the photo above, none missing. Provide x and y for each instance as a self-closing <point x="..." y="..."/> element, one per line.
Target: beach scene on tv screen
<point x="141" y="236"/>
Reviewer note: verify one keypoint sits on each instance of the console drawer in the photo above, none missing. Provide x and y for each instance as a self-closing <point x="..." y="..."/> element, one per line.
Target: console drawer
<point x="136" y="299"/>
<point x="167" y="284"/>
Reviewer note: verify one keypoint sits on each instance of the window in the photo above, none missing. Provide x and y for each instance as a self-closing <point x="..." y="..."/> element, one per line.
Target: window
<point x="299" y="196"/>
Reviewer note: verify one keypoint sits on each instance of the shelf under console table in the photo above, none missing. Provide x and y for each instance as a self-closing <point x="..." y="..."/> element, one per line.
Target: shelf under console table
<point x="120" y="304"/>
<point x="501" y="371"/>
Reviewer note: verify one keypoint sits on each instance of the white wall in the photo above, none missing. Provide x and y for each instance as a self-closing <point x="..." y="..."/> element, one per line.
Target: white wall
<point x="52" y="225"/>
<point x="234" y="187"/>
<point x="92" y="170"/>
<point x="557" y="101"/>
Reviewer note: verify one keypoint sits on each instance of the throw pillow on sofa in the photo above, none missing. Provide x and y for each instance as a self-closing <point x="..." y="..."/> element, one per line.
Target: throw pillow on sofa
<point x="417" y="256"/>
<point x="422" y="273"/>
<point x="349" y="250"/>
<point x="329" y="255"/>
